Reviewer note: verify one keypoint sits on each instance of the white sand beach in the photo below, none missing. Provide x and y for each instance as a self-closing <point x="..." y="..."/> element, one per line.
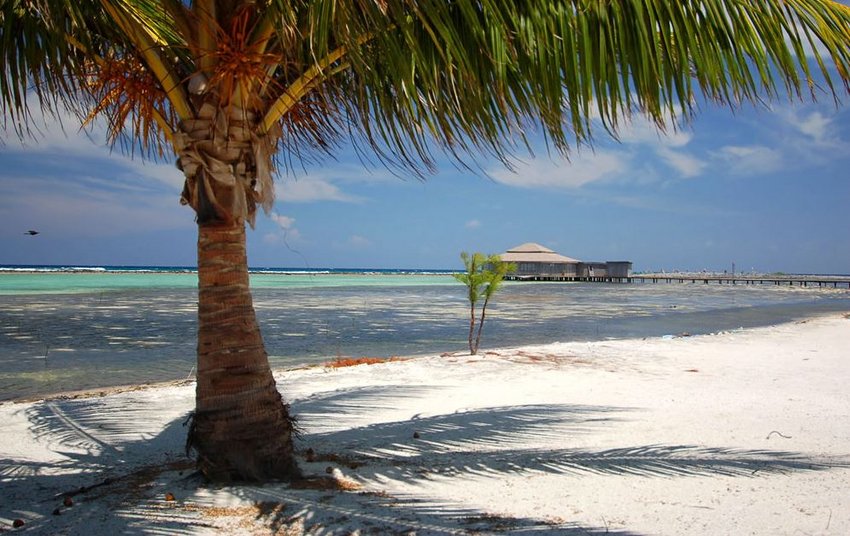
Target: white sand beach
<point x="742" y="432"/>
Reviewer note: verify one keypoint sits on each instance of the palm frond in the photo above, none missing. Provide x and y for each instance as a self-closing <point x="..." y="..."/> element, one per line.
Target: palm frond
<point x="146" y="36"/>
<point x="36" y="57"/>
<point x="472" y="76"/>
<point x="131" y="99"/>
<point x="406" y="79"/>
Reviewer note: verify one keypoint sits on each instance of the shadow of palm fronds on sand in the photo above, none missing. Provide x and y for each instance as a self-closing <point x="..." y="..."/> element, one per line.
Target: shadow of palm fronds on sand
<point x="493" y="443"/>
<point x="488" y="440"/>
<point x="349" y="407"/>
<point x="96" y="441"/>
<point x="494" y="427"/>
<point x="102" y="449"/>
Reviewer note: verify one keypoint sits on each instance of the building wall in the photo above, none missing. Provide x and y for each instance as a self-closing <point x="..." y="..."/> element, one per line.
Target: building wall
<point x="619" y="268"/>
<point x="592" y="269"/>
<point x="578" y="270"/>
<point x="546" y="268"/>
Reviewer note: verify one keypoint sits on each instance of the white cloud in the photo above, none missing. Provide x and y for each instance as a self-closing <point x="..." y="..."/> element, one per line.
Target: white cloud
<point x="667" y="145"/>
<point x="272" y="238"/>
<point x="643" y="131"/>
<point x="167" y="174"/>
<point x="358" y="172"/>
<point x="816" y="126"/>
<point x="819" y="129"/>
<point x="472" y="224"/>
<point x="580" y="170"/>
<point x="357" y="241"/>
<point x="290" y="235"/>
<point x="89" y="191"/>
<point x="749" y="159"/>
<point x="76" y="208"/>
<point x="353" y="243"/>
<point x="687" y="165"/>
<point x="61" y="138"/>
<point x="328" y="183"/>
<point x="311" y="189"/>
<point x="623" y="161"/>
<point x="286" y="233"/>
<point x="84" y="188"/>
<point x="790" y="137"/>
<point x="62" y="132"/>
<point x="284" y="222"/>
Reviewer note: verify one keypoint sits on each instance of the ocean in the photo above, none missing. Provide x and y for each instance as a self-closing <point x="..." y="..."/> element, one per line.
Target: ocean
<point x="73" y="328"/>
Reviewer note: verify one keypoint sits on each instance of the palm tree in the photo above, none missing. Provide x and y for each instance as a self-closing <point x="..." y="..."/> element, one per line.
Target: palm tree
<point x="475" y="280"/>
<point x="483" y="276"/>
<point x="237" y="88"/>
<point x="495" y="273"/>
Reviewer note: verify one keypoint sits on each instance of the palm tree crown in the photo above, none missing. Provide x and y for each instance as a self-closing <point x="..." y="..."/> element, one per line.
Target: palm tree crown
<point x="403" y="77"/>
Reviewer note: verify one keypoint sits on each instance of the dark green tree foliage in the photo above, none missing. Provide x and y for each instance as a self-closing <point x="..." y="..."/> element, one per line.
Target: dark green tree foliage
<point x="484" y="275"/>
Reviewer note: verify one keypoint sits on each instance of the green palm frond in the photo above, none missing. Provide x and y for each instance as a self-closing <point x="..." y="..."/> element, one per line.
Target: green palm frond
<point x="406" y="78"/>
<point x="467" y="76"/>
<point x="36" y="57"/>
<point x="471" y="74"/>
<point x="145" y="29"/>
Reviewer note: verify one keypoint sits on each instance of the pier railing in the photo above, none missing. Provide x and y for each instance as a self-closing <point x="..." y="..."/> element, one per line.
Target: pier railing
<point x="721" y="279"/>
<point x="744" y="279"/>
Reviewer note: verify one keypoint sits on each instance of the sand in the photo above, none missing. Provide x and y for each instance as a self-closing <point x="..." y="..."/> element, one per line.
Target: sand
<point x="742" y="432"/>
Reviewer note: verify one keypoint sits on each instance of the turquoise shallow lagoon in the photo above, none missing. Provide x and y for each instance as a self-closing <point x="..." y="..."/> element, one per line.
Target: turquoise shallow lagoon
<point x="64" y="330"/>
<point x="70" y="282"/>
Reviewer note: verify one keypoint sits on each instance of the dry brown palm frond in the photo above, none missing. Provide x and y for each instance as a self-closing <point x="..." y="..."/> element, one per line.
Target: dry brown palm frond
<point x="240" y="68"/>
<point x="343" y="362"/>
<point x="132" y="100"/>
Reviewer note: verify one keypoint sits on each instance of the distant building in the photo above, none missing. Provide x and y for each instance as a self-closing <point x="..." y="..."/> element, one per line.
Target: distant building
<point x="536" y="262"/>
<point x="593" y="269"/>
<point x="619" y="268"/>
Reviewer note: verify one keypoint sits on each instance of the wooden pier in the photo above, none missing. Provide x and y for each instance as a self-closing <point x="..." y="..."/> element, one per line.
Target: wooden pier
<point x="796" y="280"/>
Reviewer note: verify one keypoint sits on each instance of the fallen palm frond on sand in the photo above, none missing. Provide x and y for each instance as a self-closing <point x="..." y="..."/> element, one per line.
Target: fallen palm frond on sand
<point x="342" y="362"/>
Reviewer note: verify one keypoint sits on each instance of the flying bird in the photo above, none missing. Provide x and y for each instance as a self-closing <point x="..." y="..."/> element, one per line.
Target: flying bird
<point x="31" y="232"/>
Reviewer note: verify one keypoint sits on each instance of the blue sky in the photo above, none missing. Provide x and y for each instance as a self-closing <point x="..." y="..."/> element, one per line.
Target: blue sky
<point x="767" y="189"/>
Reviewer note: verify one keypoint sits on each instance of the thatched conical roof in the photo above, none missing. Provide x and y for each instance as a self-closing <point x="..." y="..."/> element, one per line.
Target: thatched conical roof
<point x="532" y="252"/>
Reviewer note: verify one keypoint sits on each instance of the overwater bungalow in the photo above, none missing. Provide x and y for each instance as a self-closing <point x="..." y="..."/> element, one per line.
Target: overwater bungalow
<point x="539" y="263"/>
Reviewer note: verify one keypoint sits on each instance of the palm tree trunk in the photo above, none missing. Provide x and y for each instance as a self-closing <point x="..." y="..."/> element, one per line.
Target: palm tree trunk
<point x="481" y="325"/>
<point x="471" y="327"/>
<point x="242" y="429"/>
